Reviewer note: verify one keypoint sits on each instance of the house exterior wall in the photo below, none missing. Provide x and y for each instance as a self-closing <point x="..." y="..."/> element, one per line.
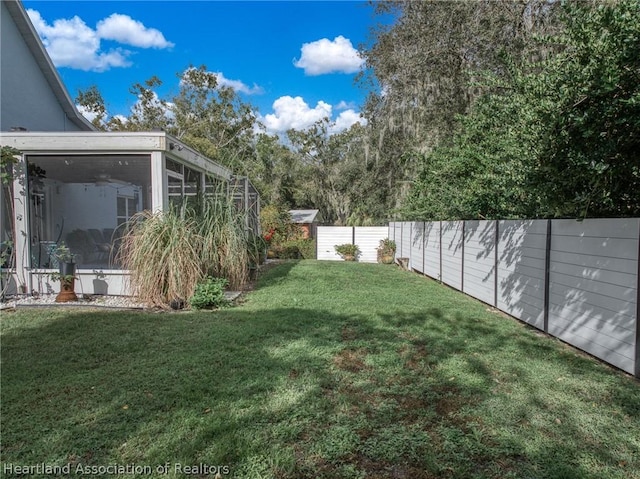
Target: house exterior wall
<point x="26" y="97"/>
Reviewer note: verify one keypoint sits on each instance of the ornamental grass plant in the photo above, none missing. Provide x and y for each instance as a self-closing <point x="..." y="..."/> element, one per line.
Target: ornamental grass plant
<point x="169" y="253"/>
<point x="225" y="239"/>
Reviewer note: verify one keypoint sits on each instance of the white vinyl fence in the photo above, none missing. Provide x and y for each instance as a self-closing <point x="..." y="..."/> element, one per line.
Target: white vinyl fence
<point x="366" y="237"/>
<point x="577" y="281"/>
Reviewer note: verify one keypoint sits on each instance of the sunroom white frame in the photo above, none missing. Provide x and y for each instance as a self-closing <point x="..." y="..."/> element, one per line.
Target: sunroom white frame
<point x="157" y="144"/>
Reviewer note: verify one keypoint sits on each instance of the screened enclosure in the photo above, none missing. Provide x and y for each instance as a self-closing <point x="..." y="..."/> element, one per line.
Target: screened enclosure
<point x="85" y="202"/>
<point x="82" y="189"/>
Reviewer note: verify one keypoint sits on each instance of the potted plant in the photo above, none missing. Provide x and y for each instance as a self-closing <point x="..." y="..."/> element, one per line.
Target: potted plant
<point x="386" y="251"/>
<point x="348" y="252"/>
<point x="65" y="260"/>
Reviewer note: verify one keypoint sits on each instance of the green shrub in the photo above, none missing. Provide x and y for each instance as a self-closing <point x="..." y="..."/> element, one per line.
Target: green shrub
<point x="294" y="249"/>
<point x="306" y="247"/>
<point x="286" y="250"/>
<point x="276" y="224"/>
<point x="209" y="294"/>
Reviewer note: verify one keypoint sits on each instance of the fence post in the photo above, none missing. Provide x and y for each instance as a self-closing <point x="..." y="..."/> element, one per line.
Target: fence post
<point x="495" y="267"/>
<point x="410" y="243"/>
<point x="637" y="356"/>
<point x="424" y="228"/>
<point x="440" y="250"/>
<point x="547" y="270"/>
<point x="462" y="262"/>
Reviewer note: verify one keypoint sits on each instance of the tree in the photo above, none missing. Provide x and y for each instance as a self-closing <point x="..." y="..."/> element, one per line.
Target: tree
<point x="150" y="111"/>
<point x="205" y="115"/>
<point x="590" y="165"/>
<point x="212" y="118"/>
<point x="275" y="171"/>
<point x="426" y="68"/>
<point x="554" y="137"/>
<point x="335" y="177"/>
<point x="92" y="104"/>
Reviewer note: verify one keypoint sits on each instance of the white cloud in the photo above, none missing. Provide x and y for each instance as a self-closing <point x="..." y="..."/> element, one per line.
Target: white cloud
<point x="326" y="56"/>
<point x="237" y="85"/>
<point x="343" y="105"/>
<point x="71" y="43"/>
<point x="221" y="80"/>
<point x="88" y="114"/>
<point x="345" y="120"/>
<point x="289" y="112"/>
<point x="124" y="29"/>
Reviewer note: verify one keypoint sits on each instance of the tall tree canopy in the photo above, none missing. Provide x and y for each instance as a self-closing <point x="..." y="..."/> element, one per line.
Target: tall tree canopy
<point x="558" y="136"/>
<point x="484" y="109"/>
<point x="427" y="65"/>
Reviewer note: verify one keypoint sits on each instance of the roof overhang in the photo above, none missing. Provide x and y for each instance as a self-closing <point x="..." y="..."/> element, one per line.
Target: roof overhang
<point x="61" y="143"/>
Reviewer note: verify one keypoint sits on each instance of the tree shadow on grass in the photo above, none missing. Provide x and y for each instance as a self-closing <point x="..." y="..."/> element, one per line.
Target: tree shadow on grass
<point x="295" y="393"/>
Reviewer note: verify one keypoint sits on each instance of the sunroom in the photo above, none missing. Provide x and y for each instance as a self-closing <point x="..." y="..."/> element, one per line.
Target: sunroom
<point x="81" y="188"/>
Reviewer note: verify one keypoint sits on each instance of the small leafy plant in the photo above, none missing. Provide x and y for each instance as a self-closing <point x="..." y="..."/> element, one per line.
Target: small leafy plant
<point x="387" y="246"/>
<point x="347" y="251"/>
<point x="62" y="254"/>
<point x="386" y="250"/>
<point x="65" y="278"/>
<point x="209" y="294"/>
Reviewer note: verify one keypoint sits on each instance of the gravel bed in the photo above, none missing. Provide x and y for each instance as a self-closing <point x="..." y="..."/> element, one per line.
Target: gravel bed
<point x="97" y="301"/>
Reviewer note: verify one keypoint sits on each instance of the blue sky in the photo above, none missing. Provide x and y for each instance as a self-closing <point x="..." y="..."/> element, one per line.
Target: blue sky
<point x="294" y="61"/>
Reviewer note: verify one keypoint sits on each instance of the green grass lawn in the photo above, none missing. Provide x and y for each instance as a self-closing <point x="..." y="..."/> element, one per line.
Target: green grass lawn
<point x="327" y="370"/>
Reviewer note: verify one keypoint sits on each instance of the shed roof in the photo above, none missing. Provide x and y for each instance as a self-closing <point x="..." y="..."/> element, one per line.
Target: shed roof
<point x="304" y="216"/>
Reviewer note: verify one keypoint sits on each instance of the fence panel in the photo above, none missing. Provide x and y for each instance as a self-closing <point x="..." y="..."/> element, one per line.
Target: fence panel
<point x="432" y="249"/>
<point x="368" y="239"/>
<point x="405" y="243"/>
<point x="395" y="233"/>
<point x="452" y="247"/>
<point x="328" y="237"/>
<point x="521" y="269"/>
<point x="416" y="256"/>
<point x="590" y="300"/>
<point x="480" y="260"/>
<point x="593" y="287"/>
